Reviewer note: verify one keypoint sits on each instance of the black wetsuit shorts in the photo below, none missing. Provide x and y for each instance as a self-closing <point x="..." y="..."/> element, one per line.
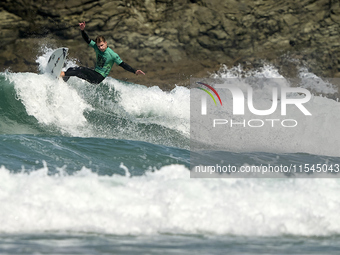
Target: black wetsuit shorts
<point x="85" y="73"/>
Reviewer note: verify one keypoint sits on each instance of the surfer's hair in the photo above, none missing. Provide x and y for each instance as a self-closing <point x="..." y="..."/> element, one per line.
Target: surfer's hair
<point x="100" y="39"/>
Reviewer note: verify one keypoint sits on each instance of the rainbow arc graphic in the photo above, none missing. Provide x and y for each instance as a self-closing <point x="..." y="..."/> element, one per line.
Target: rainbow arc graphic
<point x="209" y="93"/>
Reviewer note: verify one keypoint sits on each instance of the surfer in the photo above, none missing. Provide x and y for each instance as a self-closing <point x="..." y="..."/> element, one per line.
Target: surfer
<point x="106" y="58"/>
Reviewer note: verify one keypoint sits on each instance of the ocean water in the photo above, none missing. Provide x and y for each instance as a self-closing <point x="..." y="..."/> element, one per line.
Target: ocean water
<point x="105" y="169"/>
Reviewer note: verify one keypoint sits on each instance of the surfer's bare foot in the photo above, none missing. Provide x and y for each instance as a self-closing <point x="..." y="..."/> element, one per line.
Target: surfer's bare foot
<point x="62" y="74"/>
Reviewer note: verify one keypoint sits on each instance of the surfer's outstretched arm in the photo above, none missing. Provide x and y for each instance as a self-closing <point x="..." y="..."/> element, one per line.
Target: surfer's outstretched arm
<point x="130" y="69"/>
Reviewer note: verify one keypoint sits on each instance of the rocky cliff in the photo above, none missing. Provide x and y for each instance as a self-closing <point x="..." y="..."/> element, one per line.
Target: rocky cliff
<point x="173" y="40"/>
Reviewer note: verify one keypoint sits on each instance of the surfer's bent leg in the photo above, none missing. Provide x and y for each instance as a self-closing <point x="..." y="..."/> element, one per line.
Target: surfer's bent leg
<point x="84" y="73"/>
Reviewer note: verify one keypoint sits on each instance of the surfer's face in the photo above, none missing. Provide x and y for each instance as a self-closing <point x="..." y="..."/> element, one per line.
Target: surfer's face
<point x="102" y="46"/>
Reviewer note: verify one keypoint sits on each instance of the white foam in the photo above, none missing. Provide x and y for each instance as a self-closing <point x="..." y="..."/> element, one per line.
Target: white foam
<point x="267" y="71"/>
<point x="167" y="201"/>
<point x="169" y="109"/>
<point x="50" y="101"/>
<point x="315" y="83"/>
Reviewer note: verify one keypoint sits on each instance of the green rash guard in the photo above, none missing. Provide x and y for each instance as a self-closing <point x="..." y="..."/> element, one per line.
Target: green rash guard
<point x="105" y="60"/>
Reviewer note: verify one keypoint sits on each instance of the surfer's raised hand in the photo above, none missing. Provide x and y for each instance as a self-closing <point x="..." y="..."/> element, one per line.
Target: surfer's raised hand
<point x="82" y="25"/>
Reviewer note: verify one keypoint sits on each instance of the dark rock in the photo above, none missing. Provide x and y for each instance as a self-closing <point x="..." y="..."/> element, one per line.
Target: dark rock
<point x="174" y="40"/>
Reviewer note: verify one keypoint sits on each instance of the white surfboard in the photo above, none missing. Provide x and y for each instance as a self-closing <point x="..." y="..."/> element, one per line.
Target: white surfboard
<point x="56" y="62"/>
